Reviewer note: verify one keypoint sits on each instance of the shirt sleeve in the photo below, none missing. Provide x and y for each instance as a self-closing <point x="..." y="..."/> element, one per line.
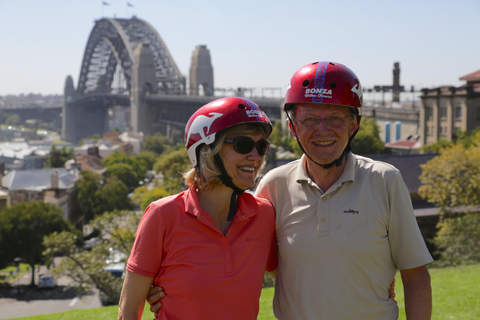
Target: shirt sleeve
<point x="272" y="263"/>
<point x="262" y="190"/>
<point x="147" y="252"/>
<point x="407" y="244"/>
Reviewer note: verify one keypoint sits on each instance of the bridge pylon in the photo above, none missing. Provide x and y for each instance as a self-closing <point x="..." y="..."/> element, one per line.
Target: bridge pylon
<point x="201" y="72"/>
<point x="143" y="84"/>
<point x="68" y="117"/>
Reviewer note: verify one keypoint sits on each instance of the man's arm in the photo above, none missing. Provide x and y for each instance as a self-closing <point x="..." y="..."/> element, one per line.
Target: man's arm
<point x="418" y="293"/>
<point x="154" y="298"/>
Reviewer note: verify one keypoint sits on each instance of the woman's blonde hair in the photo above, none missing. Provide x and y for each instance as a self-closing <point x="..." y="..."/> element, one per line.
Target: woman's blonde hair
<point x="206" y="173"/>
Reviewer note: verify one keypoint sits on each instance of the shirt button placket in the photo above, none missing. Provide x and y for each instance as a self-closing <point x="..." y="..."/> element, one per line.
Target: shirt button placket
<point x="227" y="253"/>
<point x="323" y="215"/>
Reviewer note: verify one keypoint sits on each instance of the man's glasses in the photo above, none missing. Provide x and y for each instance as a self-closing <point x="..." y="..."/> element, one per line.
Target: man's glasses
<point x="332" y="121"/>
<point x="245" y="145"/>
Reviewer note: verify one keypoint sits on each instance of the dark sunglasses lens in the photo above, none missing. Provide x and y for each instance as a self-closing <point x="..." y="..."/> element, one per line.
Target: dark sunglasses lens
<point x="262" y="147"/>
<point x="244" y="145"/>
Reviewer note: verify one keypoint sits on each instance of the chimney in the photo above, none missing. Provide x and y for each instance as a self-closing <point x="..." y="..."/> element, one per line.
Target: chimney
<point x="54" y="180"/>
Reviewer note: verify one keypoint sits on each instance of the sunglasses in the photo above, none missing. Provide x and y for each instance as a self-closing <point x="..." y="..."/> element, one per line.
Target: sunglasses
<point x="245" y="145"/>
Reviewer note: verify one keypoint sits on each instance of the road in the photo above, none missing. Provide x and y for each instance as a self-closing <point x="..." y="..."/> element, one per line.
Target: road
<point x="32" y="302"/>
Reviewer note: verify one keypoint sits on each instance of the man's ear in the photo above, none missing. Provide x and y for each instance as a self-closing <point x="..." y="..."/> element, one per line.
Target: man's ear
<point x="354" y="127"/>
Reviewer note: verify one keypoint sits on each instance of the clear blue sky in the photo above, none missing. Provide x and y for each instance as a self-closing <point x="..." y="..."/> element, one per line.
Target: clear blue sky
<point x="253" y="43"/>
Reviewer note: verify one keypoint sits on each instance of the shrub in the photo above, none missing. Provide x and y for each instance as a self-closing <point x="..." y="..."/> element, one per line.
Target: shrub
<point x="458" y="240"/>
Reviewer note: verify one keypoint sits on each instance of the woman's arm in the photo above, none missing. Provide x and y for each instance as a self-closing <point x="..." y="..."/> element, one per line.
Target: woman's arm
<point x="134" y="292"/>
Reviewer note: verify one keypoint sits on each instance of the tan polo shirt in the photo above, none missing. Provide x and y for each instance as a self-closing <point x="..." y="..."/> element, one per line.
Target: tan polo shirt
<point x="339" y="250"/>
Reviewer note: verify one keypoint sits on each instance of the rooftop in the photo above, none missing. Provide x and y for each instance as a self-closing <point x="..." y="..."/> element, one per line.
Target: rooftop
<point x="474" y="76"/>
<point x="36" y="179"/>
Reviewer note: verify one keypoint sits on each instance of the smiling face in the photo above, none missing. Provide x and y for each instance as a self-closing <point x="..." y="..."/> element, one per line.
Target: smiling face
<point x="324" y="143"/>
<point x="242" y="168"/>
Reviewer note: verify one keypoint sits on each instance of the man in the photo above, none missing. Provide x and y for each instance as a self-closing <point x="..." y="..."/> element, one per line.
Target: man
<point x="344" y="223"/>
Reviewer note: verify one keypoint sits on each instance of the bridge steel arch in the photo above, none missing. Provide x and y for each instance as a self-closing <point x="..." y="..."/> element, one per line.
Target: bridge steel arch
<point x="114" y="45"/>
<point x="113" y="42"/>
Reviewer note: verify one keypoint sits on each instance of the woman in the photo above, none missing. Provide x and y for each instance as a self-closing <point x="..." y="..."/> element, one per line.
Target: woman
<point x="210" y="245"/>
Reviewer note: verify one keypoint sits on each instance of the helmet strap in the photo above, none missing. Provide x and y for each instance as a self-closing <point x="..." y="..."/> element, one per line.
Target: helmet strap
<point x="338" y="162"/>
<point x="226" y="180"/>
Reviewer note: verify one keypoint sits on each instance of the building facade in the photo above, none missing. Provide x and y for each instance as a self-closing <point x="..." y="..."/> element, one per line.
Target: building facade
<point x="448" y="109"/>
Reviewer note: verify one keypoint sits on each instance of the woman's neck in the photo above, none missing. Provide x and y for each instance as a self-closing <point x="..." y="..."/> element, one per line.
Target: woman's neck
<point x="216" y="201"/>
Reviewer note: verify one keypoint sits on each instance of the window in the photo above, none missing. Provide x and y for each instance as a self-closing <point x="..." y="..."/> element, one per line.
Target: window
<point x="398" y="130"/>
<point x="458" y="112"/>
<point x="428" y="113"/>
<point x="387" y="132"/>
<point x="443" y="112"/>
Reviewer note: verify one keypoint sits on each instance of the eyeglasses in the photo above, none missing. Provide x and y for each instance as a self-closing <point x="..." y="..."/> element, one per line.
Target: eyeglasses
<point x="245" y="145"/>
<point x="331" y="122"/>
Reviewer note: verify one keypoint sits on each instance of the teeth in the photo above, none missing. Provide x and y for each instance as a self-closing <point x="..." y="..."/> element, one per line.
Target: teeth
<point x="323" y="143"/>
<point x="252" y="169"/>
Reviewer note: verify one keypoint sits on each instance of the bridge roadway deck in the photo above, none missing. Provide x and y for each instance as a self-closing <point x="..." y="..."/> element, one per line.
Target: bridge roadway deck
<point x="169" y="111"/>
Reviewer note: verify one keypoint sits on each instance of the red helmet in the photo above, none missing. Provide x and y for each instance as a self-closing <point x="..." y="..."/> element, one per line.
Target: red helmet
<point x="219" y="115"/>
<point x="326" y="83"/>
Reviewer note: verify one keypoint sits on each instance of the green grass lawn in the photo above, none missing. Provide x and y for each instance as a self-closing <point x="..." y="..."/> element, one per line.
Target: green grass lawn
<point x="456" y="293"/>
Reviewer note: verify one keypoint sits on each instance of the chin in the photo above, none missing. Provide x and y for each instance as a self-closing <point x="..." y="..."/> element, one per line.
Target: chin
<point x="245" y="186"/>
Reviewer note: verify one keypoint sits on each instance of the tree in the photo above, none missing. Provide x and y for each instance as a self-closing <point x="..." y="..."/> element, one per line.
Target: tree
<point x="157" y="144"/>
<point x="460" y="137"/>
<point x="458" y="239"/>
<point x="89" y="194"/>
<point x="284" y="140"/>
<point x="57" y="157"/>
<point x="437" y="147"/>
<point x="114" y="196"/>
<point x="367" y="140"/>
<point x="139" y="165"/>
<point x="118" y="228"/>
<point x="452" y="182"/>
<point x="13" y="119"/>
<point x="125" y="173"/>
<point x="452" y="179"/>
<point x="152" y="195"/>
<point x="86" y="268"/>
<point x="97" y="194"/>
<point x="149" y="157"/>
<point x="22" y="228"/>
<point x="172" y="166"/>
<point x="277" y="134"/>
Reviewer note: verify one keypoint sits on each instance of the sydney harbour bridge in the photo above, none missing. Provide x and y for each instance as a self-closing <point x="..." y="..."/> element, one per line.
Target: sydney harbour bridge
<point x="130" y="53"/>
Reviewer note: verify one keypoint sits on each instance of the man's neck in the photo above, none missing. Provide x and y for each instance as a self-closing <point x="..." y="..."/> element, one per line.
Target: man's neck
<point x="324" y="178"/>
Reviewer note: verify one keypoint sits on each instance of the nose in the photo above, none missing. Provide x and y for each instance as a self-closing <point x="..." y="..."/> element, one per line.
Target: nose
<point x="254" y="154"/>
<point x="322" y="125"/>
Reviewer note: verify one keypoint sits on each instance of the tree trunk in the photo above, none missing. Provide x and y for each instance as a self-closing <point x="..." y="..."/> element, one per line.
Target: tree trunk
<point x="32" y="284"/>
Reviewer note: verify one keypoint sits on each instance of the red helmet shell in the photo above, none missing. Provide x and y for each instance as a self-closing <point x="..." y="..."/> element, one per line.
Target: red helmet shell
<point x="325" y="83"/>
<point x="219" y="115"/>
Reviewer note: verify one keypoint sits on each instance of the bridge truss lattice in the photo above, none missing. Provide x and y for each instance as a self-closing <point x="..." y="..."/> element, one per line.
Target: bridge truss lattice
<point x="112" y="44"/>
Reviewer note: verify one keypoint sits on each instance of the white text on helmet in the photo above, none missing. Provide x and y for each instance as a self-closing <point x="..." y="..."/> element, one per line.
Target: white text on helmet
<point x="318" y="90"/>
<point x="254" y="113"/>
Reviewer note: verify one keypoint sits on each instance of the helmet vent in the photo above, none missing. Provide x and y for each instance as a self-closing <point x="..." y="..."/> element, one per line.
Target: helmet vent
<point x="333" y="84"/>
<point x="305" y="83"/>
<point x="241" y="106"/>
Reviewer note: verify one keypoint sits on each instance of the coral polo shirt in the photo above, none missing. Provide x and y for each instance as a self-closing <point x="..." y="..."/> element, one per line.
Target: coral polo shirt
<point x="205" y="274"/>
